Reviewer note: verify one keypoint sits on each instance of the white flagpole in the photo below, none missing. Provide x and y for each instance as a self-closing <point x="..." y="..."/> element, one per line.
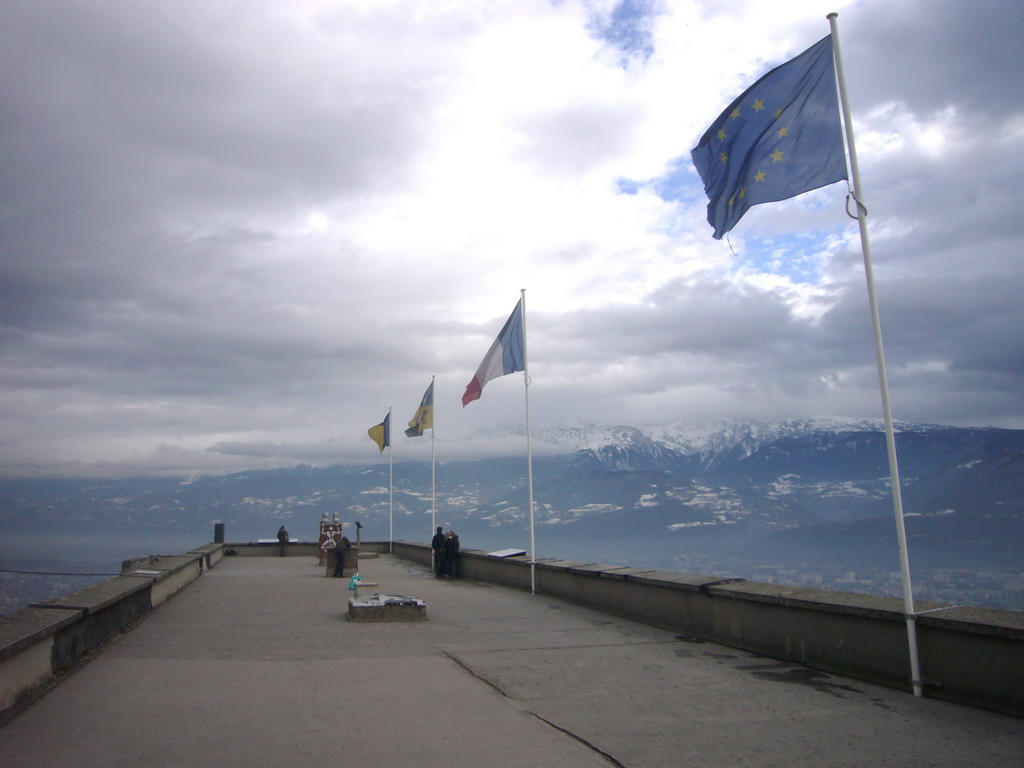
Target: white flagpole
<point x="529" y="451"/>
<point x="391" y="486"/>
<point x="890" y="439"/>
<point x="433" y="469"/>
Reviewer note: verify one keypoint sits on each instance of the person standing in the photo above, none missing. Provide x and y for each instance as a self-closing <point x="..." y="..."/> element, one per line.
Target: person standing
<point x="437" y="544"/>
<point x="282" y="538"/>
<point x="340" y="550"/>
<point x="451" y="553"/>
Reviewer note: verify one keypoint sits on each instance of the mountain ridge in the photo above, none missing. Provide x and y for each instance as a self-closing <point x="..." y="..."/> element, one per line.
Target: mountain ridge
<point x="747" y="493"/>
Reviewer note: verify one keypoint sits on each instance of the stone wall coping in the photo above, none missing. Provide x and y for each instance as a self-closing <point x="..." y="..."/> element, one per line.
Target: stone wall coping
<point x="617" y="572"/>
<point x="584" y="568"/>
<point x="99" y="596"/>
<point x="874" y="606"/>
<point x="554" y="564"/>
<point x="597" y="568"/>
<point x="655" y="577"/>
<point x="547" y="562"/>
<point x="986" y="621"/>
<point x="980" y="621"/>
<point x="27" y="626"/>
<point x="625" y="573"/>
<point x="688" y="581"/>
<point x="164" y="564"/>
<point x="294" y="548"/>
<point x="209" y="549"/>
<point x="276" y="543"/>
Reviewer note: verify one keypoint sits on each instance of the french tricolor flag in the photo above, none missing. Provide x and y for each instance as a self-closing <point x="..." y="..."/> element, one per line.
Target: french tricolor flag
<point x="506" y="355"/>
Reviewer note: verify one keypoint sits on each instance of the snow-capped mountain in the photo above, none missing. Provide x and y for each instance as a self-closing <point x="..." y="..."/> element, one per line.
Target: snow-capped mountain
<point x="742" y="479"/>
<point x="612" y="447"/>
<point x="678" y="488"/>
<point x="715" y="441"/>
<point x="707" y="444"/>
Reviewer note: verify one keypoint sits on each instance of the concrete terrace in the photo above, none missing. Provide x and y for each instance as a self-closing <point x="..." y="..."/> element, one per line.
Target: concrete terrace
<point x="253" y="664"/>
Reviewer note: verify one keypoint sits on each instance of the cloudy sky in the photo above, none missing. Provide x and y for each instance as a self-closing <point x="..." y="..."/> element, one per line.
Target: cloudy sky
<point x="233" y="233"/>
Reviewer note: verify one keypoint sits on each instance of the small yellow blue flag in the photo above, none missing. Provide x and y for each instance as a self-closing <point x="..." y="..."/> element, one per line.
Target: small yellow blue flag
<point x="424" y="416"/>
<point x="381" y="433"/>
<point x="782" y="137"/>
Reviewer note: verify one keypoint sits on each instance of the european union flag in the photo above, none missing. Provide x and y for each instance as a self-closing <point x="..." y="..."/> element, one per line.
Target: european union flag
<point x="779" y="139"/>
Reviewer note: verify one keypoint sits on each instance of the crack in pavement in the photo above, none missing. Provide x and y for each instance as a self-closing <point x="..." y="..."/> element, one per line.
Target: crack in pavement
<point x="581" y="740"/>
<point x="566" y="731"/>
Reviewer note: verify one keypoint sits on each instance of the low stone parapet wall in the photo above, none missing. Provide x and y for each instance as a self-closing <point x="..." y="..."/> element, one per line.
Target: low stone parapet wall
<point x="27" y="643"/>
<point x="170" y="573"/>
<point x="272" y="549"/>
<point x="41" y="641"/>
<point x="211" y="554"/>
<point x="45" y="639"/>
<point x="972" y="656"/>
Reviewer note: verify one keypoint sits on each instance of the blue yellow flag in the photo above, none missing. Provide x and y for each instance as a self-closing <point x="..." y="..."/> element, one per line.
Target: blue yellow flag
<point x="381" y="433"/>
<point x="782" y="137"/>
<point x="424" y="417"/>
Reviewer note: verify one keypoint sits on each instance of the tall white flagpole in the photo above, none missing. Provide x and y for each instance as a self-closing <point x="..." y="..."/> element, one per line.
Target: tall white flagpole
<point x="433" y="470"/>
<point x="391" y="486"/>
<point x="529" y="451"/>
<point x="890" y="438"/>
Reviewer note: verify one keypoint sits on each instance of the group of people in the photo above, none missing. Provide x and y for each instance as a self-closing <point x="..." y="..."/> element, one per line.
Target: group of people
<point x="446" y="552"/>
<point x="444" y="545"/>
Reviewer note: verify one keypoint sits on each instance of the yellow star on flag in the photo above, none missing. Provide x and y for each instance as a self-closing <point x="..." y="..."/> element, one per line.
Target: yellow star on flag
<point x="780" y="138"/>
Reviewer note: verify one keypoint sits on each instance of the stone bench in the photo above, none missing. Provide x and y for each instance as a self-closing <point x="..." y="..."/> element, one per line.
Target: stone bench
<point x="382" y="608"/>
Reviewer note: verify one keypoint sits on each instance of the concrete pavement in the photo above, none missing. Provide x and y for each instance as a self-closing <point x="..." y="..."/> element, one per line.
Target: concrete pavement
<point x="254" y="665"/>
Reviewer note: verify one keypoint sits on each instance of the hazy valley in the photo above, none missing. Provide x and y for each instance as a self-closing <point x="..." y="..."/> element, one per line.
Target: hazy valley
<point x="803" y="502"/>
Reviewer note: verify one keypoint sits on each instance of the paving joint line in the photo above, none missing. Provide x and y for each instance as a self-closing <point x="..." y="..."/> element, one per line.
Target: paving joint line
<point x="571" y="647"/>
<point x="611" y="759"/>
<point x="477" y="675"/>
<point x="576" y="737"/>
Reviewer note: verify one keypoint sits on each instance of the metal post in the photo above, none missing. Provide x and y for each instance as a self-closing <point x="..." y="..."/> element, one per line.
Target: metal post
<point x="529" y="451"/>
<point x="433" y="467"/>
<point x="890" y="439"/>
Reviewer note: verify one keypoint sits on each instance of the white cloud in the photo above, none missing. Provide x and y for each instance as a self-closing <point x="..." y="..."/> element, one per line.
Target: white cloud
<point x="234" y="233"/>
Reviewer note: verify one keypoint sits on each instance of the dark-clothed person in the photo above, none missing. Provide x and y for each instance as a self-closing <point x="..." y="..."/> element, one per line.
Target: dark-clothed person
<point x="282" y="538"/>
<point x="339" y="566"/>
<point x="437" y="544"/>
<point x="451" y="553"/>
